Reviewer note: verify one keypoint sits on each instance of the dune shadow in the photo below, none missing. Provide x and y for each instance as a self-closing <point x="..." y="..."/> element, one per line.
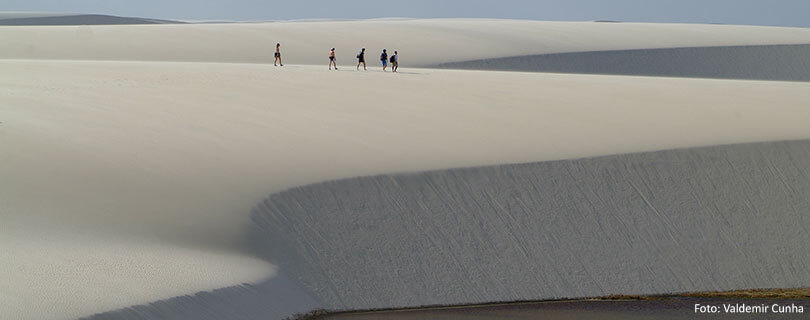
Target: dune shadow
<point x="765" y="62"/>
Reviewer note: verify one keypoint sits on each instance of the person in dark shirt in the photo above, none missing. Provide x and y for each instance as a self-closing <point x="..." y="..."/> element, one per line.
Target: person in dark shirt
<point x="395" y="61"/>
<point x="384" y="59"/>
<point x="332" y="59"/>
<point x="361" y="59"/>
<point x="277" y="55"/>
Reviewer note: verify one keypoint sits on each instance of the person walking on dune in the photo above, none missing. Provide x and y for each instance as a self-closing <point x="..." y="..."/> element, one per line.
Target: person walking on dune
<point x="277" y="55"/>
<point x="332" y="59"/>
<point x="384" y="59"/>
<point x="395" y="61"/>
<point x="361" y="59"/>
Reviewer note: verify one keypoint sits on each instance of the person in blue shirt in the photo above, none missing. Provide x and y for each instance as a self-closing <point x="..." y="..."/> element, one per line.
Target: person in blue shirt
<point x="384" y="59"/>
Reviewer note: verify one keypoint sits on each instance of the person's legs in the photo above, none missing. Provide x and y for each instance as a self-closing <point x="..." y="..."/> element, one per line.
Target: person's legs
<point x="385" y="65"/>
<point x="364" y="66"/>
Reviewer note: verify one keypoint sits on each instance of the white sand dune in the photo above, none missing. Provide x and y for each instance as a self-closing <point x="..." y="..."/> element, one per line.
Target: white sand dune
<point x="766" y="62"/>
<point x="421" y="42"/>
<point x="180" y="152"/>
<point x="683" y="50"/>
<point x="161" y="162"/>
<point x="51" y="273"/>
<point x="693" y="220"/>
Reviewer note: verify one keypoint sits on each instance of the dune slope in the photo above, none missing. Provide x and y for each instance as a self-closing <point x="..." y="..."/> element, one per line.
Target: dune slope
<point x="713" y="218"/>
<point x="703" y="219"/>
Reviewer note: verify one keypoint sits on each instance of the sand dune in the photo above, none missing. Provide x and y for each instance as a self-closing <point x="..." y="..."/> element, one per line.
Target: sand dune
<point x="702" y="219"/>
<point x="652" y="223"/>
<point x="53" y="273"/>
<point x="34" y="19"/>
<point x="30" y="14"/>
<point x="713" y="51"/>
<point x="767" y="62"/>
<point x="179" y="153"/>
<point x="422" y="43"/>
<point x="158" y="164"/>
<point x="275" y="298"/>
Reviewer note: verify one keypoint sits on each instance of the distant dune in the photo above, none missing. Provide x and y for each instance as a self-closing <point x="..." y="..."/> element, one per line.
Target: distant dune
<point x="767" y="62"/>
<point x="30" y="14"/>
<point x="715" y="51"/>
<point x="73" y="19"/>
<point x="134" y="155"/>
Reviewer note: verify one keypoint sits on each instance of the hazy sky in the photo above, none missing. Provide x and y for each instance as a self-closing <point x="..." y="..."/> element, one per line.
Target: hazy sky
<point x="759" y="12"/>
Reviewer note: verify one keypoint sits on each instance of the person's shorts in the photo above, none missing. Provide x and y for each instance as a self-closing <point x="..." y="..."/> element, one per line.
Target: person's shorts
<point x="361" y="60"/>
<point x="385" y="63"/>
<point x="277" y="55"/>
<point x="331" y="58"/>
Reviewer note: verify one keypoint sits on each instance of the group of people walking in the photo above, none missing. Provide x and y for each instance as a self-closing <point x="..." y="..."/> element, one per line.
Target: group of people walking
<point x="361" y="59"/>
<point x="384" y="58"/>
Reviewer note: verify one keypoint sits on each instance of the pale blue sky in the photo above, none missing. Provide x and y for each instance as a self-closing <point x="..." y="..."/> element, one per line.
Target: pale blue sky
<point x="757" y="12"/>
